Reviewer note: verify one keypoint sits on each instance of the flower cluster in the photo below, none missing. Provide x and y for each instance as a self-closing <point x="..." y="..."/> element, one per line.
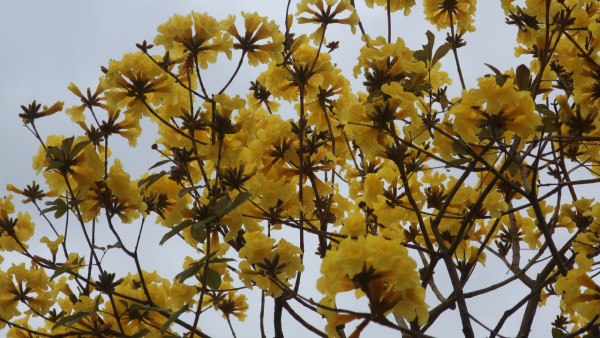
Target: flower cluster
<point x="394" y="181"/>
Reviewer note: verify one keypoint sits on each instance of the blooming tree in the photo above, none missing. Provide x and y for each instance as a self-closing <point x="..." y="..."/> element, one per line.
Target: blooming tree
<point x="404" y="191"/>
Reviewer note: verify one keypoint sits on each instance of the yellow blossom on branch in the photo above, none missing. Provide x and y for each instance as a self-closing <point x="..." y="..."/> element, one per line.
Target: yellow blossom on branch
<point x="195" y="37"/>
<point x="395" y="5"/>
<point x="381" y="270"/>
<point x="491" y="110"/>
<point x="256" y="28"/>
<point x="444" y="13"/>
<point x="326" y="13"/>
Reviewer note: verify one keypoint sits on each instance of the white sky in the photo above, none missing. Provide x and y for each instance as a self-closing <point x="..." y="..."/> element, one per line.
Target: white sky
<point x="48" y="44"/>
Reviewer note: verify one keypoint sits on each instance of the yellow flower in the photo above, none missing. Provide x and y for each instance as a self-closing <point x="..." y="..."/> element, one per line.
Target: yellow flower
<point x="373" y="188"/>
<point x="531" y="232"/>
<point x="31" y="286"/>
<point x="380" y="269"/>
<point x="181" y="294"/>
<point x="285" y="81"/>
<point x="494" y="204"/>
<point x="74" y="263"/>
<point x="491" y="110"/>
<point x="256" y="28"/>
<point x="352" y="113"/>
<point x="89" y="101"/>
<point x="195" y="37"/>
<point x="130" y="203"/>
<point x="260" y="95"/>
<point x="129" y="127"/>
<point x="8" y="301"/>
<point x="135" y="320"/>
<point x="537" y="8"/>
<point x="326" y="15"/>
<point x="14" y="232"/>
<point x="32" y="192"/>
<point x="395" y="5"/>
<point x="354" y="225"/>
<point x="135" y="81"/>
<point x="86" y="304"/>
<point x="17" y="332"/>
<point x="271" y="190"/>
<point x="385" y="63"/>
<point x="573" y="300"/>
<point x="581" y="217"/>
<point x="400" y="104"/>
<point x="234" y="304"/>
<point x="162" y="197"/>
<point x="53" y="245"/>
<point x="268" y="266"/>
<point x="443" y="13"/>
<point x="81" y="169"/>
<point x="580" y="121"/>
<point x="434" y="179"/>
<point x="257" y="246"/>
<point x="32" y="111"/>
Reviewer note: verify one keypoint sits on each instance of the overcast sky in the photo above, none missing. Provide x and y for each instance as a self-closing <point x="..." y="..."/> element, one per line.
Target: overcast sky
<point x="48" y="44"/>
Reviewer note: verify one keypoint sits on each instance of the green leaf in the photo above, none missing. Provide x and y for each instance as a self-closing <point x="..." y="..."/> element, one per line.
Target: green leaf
<point x="213" y="279"/>
<point x="192" y="270"/>
<point x="425" y="53"/>
<point x="141" y="333"/>
<point x="55" y="165"/>
<point x="67" y="144"/>
<point x="240" y="199"/>
<point x="500" y="78"/>
<point x="184" y="191"/>
<point x="549" y="125"/>
<point x="225" y="207"/>
<point x="148" y="181"/>
<point x="198" y="232"/>
<point x="158" y="164"/>
<point x="420" y="55"/>
<point x="513" y="168"/>
<point x="137" y="306"/>
<point x="222" y="205"/>
<point x="175" y="230"/>
<point x="174" y="317"/>
<point x="460" y="161"/>
<point x="70" y="320"/>
<point x="374" y="95"/>
<point x="548" y="119"/>
<point x="494" y="69"/>
<point x="522" y="77"/>
<point x="78" y="147"/>
<point x="558" y="333"/>
<point x="59" y="271"/>
<point x="428" y="49"/>
<point x="460" y="148"/>
<point x="75" y="202"/>
<point x="543" y="109"/>
<point x="58" y="206"/>
<point x="55" y="153"/>
<point x="74" y="318"/>
<point x="113" y="246"/>
<point x="221" y="260"/>
<point x="440" y="53"/>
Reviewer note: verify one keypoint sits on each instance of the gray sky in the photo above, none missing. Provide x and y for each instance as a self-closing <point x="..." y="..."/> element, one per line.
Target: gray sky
<point x="48" y="44"/>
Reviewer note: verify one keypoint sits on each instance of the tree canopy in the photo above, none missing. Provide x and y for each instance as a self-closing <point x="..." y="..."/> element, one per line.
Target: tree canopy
<point x="402" y="192"/>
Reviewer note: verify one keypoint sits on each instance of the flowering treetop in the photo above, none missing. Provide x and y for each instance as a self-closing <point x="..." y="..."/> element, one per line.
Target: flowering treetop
<point x="393" y="184"/>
